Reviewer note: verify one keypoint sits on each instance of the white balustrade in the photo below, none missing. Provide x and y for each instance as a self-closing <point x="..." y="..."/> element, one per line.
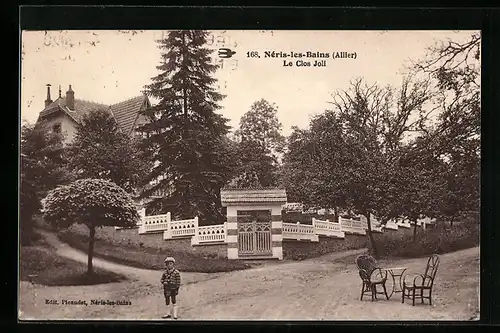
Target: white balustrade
<point x="353" y="226"/>
<point x="218" y="233"/>
<point x="327" y="228"/>
<point x="181" y="228"/>
<point x="404" y="224"/>
<point x="391" y="225"/>
<point x="299" y="231"/>
<point x="210" y="234"/>
<point x="154" y="223"/>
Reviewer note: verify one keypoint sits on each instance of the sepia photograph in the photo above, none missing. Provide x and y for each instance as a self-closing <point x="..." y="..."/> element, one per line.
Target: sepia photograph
<point x="199" y="175"/>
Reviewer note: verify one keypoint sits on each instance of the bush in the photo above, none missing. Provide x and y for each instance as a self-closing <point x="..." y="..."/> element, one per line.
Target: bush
<point x="43" y="266"/>
<point x="300" y="250"/>
<point x="442" y="239"/>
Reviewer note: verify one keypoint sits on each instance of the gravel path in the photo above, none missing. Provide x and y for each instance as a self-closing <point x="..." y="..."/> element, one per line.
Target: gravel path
<point x="324" y="288"/>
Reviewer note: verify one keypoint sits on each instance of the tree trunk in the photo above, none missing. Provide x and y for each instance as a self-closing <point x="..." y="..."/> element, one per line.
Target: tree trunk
<point x="184" y="91"/>
<point x="91" y="250"/>
<point x="414" y="231"/>
<point x="336" y="214"/>
<point x="451" y="222"/>
<point x="370" y="235"/>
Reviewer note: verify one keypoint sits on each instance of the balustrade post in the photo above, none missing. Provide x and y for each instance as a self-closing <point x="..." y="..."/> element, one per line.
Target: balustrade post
<point x="168" y="231"/>
<point x="225" y="232"/>
<point x="195" y="239"/>
<point x="314" y="225"/>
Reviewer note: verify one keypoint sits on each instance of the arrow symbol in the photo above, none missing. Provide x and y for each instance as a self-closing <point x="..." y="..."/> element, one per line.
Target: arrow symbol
<point x="226" y="53"/>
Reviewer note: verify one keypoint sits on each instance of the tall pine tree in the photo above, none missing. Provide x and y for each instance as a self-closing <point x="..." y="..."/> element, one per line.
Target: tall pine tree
<point x="185" y="136"/>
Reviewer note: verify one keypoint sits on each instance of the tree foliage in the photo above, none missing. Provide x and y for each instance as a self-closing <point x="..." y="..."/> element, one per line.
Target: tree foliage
<point x="348" y="158"/>
<point x="92" y="202"/>
<point x="409" y="152"/>
<point x="101" y="150"/>
<point x="42" y="168"/>
<point x="261" y="125"/>
<point x="185" y="137"/>
<point x="419" y="185"/>
<point x="454" y="68"/>
<point x="259" y="144"/>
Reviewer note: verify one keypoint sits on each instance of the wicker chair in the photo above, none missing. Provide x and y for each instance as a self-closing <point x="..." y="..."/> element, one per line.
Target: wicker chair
<point x="422" y="282"/>
<point x="372" y="276"/>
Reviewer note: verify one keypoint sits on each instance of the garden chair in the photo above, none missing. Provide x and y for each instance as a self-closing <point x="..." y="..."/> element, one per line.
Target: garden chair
<point x="372" y="276"/>
<point x="422" y="282"/>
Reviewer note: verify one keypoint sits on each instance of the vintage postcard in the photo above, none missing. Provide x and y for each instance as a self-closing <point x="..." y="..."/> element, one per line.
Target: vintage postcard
<point x="249" y="175"/>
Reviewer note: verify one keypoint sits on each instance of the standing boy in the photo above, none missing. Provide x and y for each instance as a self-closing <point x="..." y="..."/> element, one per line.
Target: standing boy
<point x="171" y="281"/>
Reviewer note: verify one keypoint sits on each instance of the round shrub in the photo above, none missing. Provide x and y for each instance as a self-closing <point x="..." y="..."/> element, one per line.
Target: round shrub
<point x="93" y="202"/>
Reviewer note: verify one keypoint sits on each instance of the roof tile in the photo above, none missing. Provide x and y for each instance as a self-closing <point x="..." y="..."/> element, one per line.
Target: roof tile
<point x="231" y="196"/>
<point x="125" y="113"/>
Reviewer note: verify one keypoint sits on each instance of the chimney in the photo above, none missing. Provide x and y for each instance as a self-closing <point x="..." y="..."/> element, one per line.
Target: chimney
<point x="70" y="98"/>
<point x="60" y="91"/>
<point x="48" y="100"/>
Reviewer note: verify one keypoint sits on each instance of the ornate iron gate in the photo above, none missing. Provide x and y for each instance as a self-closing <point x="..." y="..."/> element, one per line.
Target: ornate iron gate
<point x="254" y="237"/>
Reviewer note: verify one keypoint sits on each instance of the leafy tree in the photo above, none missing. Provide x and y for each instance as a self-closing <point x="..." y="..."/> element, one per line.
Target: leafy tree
<point x="454" y="69"/>
<point x="314" y="165"/>
<point x="348" y="158"/>
<point x="92" y="202"/>
<point x="377" y="121"/>
<point x="420" y="185"/>
<point x="42" y="168"/>
<point x="255" y="167"/>
<point x="29" y="205"/>
<point x="101" y="150"/>
<point x="261" y="125"/>
<point x="185" y="137"/>
<point x="260" y="144"/>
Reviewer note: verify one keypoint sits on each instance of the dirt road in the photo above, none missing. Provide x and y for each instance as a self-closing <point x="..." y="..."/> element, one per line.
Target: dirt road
<point x="325" y="288"/>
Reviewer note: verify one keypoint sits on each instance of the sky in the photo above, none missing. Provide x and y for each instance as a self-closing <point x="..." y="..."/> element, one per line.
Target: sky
<point x="113" y="65"/>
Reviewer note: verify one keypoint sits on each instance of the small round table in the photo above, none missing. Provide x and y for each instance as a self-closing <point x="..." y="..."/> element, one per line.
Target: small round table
<point x="396" y="272"/>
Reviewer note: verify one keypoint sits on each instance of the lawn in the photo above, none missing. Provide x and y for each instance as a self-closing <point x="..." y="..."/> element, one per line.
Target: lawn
<point x="109" y="246"/>
<point x="41" y="265"/>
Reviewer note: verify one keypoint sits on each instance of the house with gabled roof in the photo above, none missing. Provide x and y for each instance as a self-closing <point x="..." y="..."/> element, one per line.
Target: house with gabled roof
<point x="63" y="114"/>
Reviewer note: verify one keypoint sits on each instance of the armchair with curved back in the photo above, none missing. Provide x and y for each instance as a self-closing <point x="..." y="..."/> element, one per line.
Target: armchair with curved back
<point x="371" y="275"/>
<point x="422" y="282"/>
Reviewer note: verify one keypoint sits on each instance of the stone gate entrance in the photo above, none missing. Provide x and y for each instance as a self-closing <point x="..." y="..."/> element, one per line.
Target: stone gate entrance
<point x="254" y="223"/>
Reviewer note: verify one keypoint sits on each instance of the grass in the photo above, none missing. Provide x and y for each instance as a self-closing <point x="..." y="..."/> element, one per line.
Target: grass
<point x="141" y="256"/>
<point x="442" y="239"/>
<point x="41" y="265"/>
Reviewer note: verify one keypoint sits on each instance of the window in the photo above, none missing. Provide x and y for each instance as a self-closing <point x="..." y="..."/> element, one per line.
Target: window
<point x="56" y="128"/>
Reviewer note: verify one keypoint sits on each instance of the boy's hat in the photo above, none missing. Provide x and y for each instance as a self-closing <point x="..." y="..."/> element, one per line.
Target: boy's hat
<point x="170" y="259"/>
